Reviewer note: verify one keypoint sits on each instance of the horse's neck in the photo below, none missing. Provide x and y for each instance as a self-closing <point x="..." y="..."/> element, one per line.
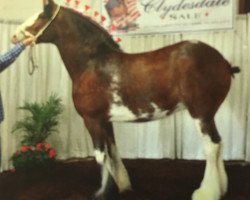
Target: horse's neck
<point x="82" y="41"/>
<point x="69" y="56"/>
<point x="76" y="53"/>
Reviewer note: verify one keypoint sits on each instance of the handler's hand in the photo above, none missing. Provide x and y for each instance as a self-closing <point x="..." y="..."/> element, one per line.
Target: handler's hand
<point x="28" y="41"/>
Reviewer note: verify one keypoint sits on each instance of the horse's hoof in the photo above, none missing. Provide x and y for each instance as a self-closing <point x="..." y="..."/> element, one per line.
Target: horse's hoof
<point x="203" y="194"/>
<point x="99" y="197"/>
<point x="106" y="196"/>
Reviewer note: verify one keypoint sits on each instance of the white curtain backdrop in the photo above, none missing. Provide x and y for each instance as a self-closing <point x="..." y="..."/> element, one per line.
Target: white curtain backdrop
<point x="173" y="137"/>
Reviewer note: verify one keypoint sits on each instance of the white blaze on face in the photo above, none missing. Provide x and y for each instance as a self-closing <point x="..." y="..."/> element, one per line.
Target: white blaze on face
<point x="20" y="33"/>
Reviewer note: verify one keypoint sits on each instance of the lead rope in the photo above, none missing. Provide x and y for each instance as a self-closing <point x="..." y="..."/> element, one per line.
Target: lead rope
<point x="32" y="62"/>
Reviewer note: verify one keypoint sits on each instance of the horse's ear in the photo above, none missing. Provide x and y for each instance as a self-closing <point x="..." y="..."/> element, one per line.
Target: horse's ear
<point x="48" y="8"/>
<point x="47" y="2"/>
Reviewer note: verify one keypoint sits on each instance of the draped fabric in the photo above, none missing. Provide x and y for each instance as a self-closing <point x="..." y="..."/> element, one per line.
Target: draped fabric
<point x="246" y="44"/>
<point x="173" y="137"/>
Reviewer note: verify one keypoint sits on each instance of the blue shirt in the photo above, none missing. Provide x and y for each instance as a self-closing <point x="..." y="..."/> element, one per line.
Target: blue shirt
<point x="6" y="60"/>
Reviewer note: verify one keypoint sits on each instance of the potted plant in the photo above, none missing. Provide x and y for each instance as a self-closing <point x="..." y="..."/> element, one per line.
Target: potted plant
<point x="40" y="122"/>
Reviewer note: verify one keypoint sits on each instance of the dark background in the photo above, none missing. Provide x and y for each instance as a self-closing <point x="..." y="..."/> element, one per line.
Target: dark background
<point x="244" y="6"/>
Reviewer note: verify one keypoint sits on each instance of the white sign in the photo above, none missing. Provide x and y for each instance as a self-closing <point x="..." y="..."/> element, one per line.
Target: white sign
<point x="161" y="16"/>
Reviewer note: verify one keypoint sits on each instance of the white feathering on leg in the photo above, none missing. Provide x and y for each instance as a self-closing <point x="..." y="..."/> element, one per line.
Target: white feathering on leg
<point x="214" y="183"/>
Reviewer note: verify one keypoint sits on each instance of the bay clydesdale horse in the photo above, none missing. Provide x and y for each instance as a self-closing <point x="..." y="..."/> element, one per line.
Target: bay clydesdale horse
<point x="111" y="85"/>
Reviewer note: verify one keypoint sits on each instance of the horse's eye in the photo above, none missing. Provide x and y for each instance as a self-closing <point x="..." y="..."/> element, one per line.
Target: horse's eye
<point x="44" y="16"/>
<point x="48" y="11"/>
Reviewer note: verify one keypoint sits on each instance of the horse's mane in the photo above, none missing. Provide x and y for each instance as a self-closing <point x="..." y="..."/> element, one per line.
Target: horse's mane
<point x="88" y="27"/>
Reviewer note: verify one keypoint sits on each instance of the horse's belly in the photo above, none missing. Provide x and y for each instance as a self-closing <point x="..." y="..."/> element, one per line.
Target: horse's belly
<point x="123" y="113"/>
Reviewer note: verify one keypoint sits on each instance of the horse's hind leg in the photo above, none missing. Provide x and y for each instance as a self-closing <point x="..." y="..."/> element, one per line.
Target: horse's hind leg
<point x="214" y="183"/>
<point x="115" y="178"/>
<point x="114" y="174"/>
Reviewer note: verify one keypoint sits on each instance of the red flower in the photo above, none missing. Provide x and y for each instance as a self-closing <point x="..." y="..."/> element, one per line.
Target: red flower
<point x="13" y="170"/>
<point x="25" y="148"/>
<point x="39" y="146"/>
<point x="17" y="151"/>
<point x="52" y="153"/>
<point x="47" y="147"/>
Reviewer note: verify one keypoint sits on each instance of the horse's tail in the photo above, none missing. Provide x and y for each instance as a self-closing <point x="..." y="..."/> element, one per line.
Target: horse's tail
<point x="235" y="69"/>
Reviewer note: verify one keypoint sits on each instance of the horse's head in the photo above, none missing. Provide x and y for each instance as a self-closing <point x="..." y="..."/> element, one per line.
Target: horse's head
<point x="37" y="24"/>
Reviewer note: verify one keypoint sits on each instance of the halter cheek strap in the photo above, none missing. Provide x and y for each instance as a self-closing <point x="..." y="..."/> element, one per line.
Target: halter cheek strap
<point x="32" y="59"/>
<point x="40" y="32"/>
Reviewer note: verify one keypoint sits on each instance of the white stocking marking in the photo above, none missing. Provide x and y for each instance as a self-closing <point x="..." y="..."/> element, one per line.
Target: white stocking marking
<point x="118" y="170"/>
<point x="99" y="156"/>
<point x="210" y="186"/>
<point x="222" y="172"/>
<point x="113" y="167"/>
<point x="214" y="183"/>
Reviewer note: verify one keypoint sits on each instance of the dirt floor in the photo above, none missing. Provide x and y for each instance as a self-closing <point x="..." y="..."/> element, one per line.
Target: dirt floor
<point x="151" y="179"/>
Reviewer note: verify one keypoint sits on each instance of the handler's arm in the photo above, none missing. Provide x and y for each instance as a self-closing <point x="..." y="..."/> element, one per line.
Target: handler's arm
<point x="9" y="57"/>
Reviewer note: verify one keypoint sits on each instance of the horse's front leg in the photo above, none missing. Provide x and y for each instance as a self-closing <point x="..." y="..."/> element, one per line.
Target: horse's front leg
<point x="115" y="178"/>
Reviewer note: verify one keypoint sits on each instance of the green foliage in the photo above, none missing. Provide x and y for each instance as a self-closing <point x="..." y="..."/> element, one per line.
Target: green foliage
<point x="40" y="122"/>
